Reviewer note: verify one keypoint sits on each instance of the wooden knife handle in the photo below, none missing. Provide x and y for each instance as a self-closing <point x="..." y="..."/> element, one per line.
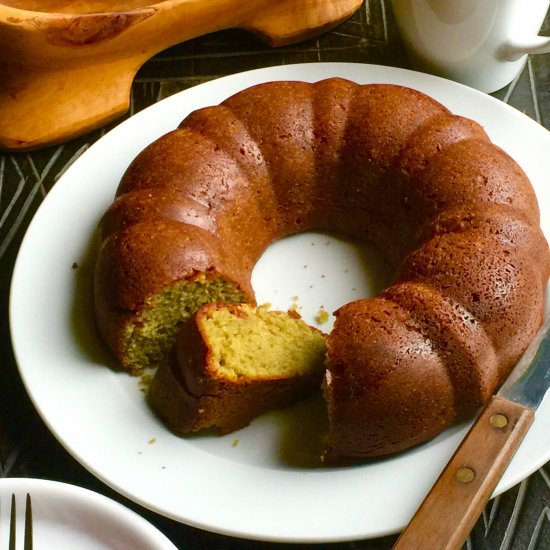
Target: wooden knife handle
<point x="455" y="502"/>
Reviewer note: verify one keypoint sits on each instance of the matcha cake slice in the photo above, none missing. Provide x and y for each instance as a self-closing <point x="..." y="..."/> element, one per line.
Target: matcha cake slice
<point x="232" y="363"/>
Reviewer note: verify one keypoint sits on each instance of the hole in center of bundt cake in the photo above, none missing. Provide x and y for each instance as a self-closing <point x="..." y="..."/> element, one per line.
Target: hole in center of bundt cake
<point x="315" y="273"/>
<point x="148" y="340"/>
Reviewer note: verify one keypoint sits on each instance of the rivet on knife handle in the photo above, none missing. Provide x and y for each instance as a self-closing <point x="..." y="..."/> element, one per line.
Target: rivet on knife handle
<point x="458" y="497"/>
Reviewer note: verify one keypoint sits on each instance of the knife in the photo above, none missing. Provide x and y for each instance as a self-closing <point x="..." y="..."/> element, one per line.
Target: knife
<point x="455" y="502"/>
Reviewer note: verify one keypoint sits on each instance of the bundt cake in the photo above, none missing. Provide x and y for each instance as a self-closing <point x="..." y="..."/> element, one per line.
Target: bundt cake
<point x="232" y="363"/>
<point x="455" y="215"/>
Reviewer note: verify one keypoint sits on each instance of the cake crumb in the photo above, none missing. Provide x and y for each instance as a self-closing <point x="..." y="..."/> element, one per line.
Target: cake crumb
<point x="294" y="313"/>
<point x="321" y="317"/>
<point x="152" y="441"/>
<point x="145" y="382"/>
<point x="293" y="310"/>
<point x="295" y="298"/>
<point x="74" y="266"/>
<point x="235" y="443"/>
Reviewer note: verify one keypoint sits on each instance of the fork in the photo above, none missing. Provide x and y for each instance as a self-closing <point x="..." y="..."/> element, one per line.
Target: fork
<point x="27" y="541"/>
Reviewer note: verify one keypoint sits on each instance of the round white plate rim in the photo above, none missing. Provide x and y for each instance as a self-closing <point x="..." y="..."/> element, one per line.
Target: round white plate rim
<point x="92" y="502"/>
<point x="311" y="528"/>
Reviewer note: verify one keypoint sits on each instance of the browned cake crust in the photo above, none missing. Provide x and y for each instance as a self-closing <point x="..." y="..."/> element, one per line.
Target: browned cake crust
<point x="453" y="212"/>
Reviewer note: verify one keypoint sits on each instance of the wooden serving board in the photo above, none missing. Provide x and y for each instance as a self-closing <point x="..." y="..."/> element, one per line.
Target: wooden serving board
<point x="66" y="67"/>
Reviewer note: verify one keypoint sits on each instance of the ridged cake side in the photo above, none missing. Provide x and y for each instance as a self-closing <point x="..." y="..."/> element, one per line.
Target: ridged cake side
<point x="454" y="214"/>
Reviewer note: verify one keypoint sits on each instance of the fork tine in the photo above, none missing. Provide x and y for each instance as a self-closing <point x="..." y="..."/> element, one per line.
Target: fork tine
<point x="27" y="545"/>
<point x="28" y="536"/>
<point x="12" y="523"/>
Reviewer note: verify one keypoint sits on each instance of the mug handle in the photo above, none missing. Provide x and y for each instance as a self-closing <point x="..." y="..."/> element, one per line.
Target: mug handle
<point x="514" y="50"/>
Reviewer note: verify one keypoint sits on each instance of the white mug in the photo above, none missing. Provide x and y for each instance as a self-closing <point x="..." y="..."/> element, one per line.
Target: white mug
<point x="481" y="43"/>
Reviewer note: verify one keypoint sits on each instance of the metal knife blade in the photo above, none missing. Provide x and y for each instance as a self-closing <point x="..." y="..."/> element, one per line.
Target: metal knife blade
<point x="528" y="382"/>
<point x="452" y="507"/>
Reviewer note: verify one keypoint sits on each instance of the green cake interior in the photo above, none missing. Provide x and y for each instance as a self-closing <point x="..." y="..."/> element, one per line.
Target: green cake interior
<point x="147" y="341"/>
<point x="259" y="344"/>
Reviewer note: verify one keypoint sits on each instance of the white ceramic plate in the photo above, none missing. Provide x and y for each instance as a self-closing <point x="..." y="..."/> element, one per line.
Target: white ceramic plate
<point x="245" y="484"/>
<point x="66" y="516"/>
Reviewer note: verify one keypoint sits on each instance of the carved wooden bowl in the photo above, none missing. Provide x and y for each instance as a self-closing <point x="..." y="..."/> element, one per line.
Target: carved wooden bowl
<point x="66" y="67"/>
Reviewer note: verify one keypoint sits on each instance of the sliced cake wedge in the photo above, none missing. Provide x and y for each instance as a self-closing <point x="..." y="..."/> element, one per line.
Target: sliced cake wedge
<point x="231" y="363"/>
